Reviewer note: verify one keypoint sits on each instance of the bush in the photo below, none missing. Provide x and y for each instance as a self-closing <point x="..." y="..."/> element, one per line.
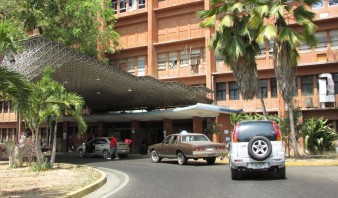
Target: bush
<point x="36" y="167"/>
<point x="319" y="136"/>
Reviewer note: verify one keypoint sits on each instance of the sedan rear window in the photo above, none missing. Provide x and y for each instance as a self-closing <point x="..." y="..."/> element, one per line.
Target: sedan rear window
<point x="187" y="138"/>
<point x="247" y="130"/>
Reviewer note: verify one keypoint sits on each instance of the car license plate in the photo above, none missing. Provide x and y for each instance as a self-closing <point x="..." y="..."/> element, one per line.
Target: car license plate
<point x="257" y="165"/>
<point x="209" y="149"/>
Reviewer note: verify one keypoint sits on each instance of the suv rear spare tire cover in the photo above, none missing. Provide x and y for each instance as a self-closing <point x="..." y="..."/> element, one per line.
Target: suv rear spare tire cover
<point x="259" y="148"/>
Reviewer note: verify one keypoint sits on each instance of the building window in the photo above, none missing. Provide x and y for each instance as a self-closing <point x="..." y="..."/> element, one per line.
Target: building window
<point x="307" y="85"/>
<point x="220" y="91"/>
<point x="114" y="5"/>
<point x="122" y="6"/>
<point x="322" y="41"/>
<point x="263" y="87"/>
<point x="333" y="2"/>
<point x="172" y="59"/>
<point x="271" y="48"/>
<point x="184" y="58"/>
<point x="161" y="61"/>
<point x="141" y="62"/>
<point x="233" y="91"/>
<point x="122" y="64"/>
<point x="1" y="103"/>
<point x="335" y="79"/>
<point x="273" y="85"/>
<point x="304" y="48"/>
<point x="6" y="106"/>
<point x="132" y="5"/>
<point x="334" y="38"/>
<point x="318" y="5"/>
<point x="195" y="57"/>
<point x="219" y="59"/>
<point x="262" y="50"/>
<point x="141" y="3"/>
<point x="131" y="65"/>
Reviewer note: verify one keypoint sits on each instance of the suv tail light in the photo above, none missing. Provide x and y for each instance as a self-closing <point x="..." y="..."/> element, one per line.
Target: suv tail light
<point x="278" y="134"/>
<point x="235" y="134"/>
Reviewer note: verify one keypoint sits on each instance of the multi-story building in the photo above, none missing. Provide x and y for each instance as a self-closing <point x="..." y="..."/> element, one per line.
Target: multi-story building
<point x="163" y="39"/>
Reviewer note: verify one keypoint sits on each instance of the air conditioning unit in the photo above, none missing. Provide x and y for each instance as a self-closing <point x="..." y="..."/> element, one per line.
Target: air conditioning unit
<point x="309" y="102"/>
<point x="194" y="61"/>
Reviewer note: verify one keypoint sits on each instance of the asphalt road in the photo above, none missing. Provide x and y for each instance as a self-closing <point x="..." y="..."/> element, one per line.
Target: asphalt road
<point x="197" y="179"/>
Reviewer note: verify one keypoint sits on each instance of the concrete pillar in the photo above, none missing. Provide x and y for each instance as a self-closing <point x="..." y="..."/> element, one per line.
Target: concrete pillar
<point x="168" y="126"/>
<point x="135" y="135"/>
<point x="152" y="38"/>
<point x="197" y="124"/>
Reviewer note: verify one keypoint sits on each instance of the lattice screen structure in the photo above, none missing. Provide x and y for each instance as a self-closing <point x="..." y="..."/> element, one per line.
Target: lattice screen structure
<point x="104" y="87"/>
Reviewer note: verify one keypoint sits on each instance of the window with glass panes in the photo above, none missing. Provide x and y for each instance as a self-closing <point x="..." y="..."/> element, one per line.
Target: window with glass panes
<point x="334" y="39"/>
<point x="141" y="62"/>
<point x="219" y="59"/>
<point x="114" y="5"/>
<point x="184" y="58"/>
<point x="333" y="2"/>
<point x="220" y="91"/>
<point x="195" y="56"/>
<point x="122" y="64"/>
<point x="335" y="79"/>
<point x="161" y="61"/>
<point x="123" y="6"/>
<point x="131" y="65"/>
<point x="233" y="91"/>
<point x="6" y="106"/>
<point x="307" y="85"/>
<point x="261" y="51"/>
<point x="263" y="87"/>
<point x="304" y="48"/>
<point x="141" y="3"/>
<point x="322" y="41"/>
<point x="319" y="4"/>
<point x="1" y="105"/>
<point x="273" y="86"/>
<point x="172" y="59"/>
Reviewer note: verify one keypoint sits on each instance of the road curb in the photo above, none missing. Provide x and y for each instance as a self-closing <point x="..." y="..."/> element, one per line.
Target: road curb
<point x="89" y="188"/>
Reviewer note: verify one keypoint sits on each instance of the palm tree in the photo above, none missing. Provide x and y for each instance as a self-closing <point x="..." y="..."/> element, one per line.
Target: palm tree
<point x="59" y="103"/>
<point x="48" y="104"/>
<point x="235" y="41"/>
<point x="272" y="19"/>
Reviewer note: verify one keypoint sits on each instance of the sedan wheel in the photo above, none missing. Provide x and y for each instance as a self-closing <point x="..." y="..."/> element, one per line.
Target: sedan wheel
<point x="181" y="159"/>
<point x="81" y="153"/>
<point x="105" y="154"/>
<point x="154" y="157"/>
<point x="211" y="160"/>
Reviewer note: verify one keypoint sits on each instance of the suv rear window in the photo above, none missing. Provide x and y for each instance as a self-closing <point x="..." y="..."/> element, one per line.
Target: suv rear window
<point x="247" y="130"/>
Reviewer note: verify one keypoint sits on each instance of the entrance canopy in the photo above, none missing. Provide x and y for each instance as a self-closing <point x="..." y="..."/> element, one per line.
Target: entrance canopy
<point x="104" y="87"/>
<point x="180" y="113"/>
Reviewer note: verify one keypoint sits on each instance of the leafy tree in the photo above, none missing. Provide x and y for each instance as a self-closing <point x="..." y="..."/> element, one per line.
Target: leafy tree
<point x="272" y="19"/>
<point x="319" y="136"/>
<point x="76" y="23"/>
<point x="49" y="102"/>
<point x="234" y="40"/>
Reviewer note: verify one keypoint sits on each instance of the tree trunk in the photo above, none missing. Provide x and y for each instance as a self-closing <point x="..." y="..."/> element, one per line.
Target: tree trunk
<point x="52" y="158"/>
<point x="38" y="152"/>
<point x="293" y="131"/>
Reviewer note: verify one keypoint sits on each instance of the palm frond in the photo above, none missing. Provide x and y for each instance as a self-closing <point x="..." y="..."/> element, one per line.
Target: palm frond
<point x="268" y="32"/>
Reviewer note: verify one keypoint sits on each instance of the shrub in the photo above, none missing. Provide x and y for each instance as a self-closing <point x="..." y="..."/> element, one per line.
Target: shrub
<point x="319" y="136"/>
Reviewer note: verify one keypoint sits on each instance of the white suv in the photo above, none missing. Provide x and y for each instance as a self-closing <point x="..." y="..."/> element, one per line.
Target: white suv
<point x="256" y="145"/>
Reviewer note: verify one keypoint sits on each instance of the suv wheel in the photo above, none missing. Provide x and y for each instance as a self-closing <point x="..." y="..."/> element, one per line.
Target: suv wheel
<point x="259" y="148"/>
<point x="281" y="173"/>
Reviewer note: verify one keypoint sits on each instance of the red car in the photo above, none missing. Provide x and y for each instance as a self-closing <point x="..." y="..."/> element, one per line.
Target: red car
<point x="187" y="146"/>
